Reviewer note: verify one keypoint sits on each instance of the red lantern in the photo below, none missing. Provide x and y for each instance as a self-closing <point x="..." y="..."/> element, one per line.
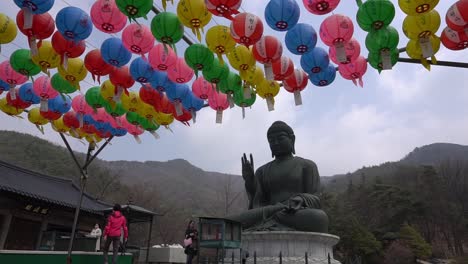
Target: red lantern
<point x="282" y="68"/>
<point x="43" y="27"/>
<point x="161" y="58"/>
<point x="457" y="15"/>
<point x="181" y="72"/>
<point x="122" y="80"/>
<point x="16" y="101"/>
<point x="184" y="118"/>
<point x="70" y="120"/>
<point x="149" y="95"/>
<point x="246" y="29"/>
<point x="354" y="71"/>
<point x="320" y="7"/>
<point x="138" y="39"/>
<point x="336" y="29"/>
<point x="96" y="65"/>
<point x="352" y="52"/>
<point x="266" y="51"/>
<point x="203" y="89"/>
<point x="223" y="8"/>
<point x="107" y="17"/>
<point x="295" y="83"/>
<point x="51" y="115"/>
<point x="67" y="49"/>
<point x="164" y="105"/>
<point x="454" y="40"/>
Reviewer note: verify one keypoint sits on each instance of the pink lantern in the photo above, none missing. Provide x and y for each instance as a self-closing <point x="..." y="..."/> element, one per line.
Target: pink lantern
<point x="295" y="83"/>
<point x="336" y="30"/>
<point x="138" y="39"/>
<point x="134" y="130"/>
<point x="282" y="68"/>
<point x="203" y="89"/>
<point x="10" y="76"/>
<point x="218" y="102"/>
<point x="43" y="88"/>
<point x="352" y="52"/>
<point x="161" y="58"/>
<point x="354" y="71"/>
<point x="81" y="108"/>
<point x="181" y="72"/>
<point x="107" y="17"/>
<point x="320" y="7"/>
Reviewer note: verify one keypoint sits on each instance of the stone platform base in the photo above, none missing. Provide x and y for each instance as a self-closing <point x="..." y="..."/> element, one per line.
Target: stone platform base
<point x="291" y="245"/>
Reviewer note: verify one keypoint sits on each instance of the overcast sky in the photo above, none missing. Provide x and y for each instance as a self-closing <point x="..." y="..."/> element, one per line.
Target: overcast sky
<point x="341" y="127"/>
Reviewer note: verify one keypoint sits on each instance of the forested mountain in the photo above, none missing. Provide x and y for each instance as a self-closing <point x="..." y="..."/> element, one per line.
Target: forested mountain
<point x="390" y="213"/>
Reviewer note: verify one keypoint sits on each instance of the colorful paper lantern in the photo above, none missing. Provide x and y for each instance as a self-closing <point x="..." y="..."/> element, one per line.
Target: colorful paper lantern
<point x="96" y="65"/>
<point x="415" y="50"/>
<point x="354" y="71"/>
<point x="26" y="94"/>
<point x="161" y="81"/>
<point x="11" y="77"/>
<point x="219" y="40"/>
<point x="60" y="126"/>
<point x="167" y="29"/>
<point x="35" y="117"/>
<point x="81" y="107"/>
<point x="131" y="102"/>
<point x="20" y="61"/>
<point x="148" y="95"/>
<point x="73" y="23"/>
<point x="176" y="95"/>
<point x="162" y="57"/>
<point x="224" y="8"/>
<point x="295" y="83"/>
<point x="164" y="119"/>
<point x="67" y="49"/>
<point x="61" y="85"/>
<point x="198" y="57"/>
<point x="266" y="51"/>
<point x="138" y="39"/>
<point x="315" y="61"/>
<point x="93" y="98"/>
<point x="320" y="7"/>
<point x="193" y="104"/>
<point x="4" y="86"/>
<point x="218" y="102"/>
<point x="422" y="26"/>
<point x="268" y="89"/>
<point x="114" y="52"/>
<point x="193" y="14"/>
<point x="60" y="104"/>
<point x="33" y="7"/>
<point x="244" y="101"/>
<point x="282" y="15"/>
<point x="8" y="109"/>
<point x="164" y="105"/>
<point x="116" y="110"/>
<point x="336" y="30"/>
<point x="216" y="72"/>
<point x="122" y="79"/>
<point x="46" y="57"/>
<point x="43" y="27"/>
<point x="9" y="31"/>
<point x="135" y="9"/>
<point x="375" y="14"/>
<point x="457" y="15"/>
<point x="202" y="89"/>
<point x="352" y="51"/>
<point x="230" y="85"/>
<point x="301" y="39"/>
<point x="282" y="68"/>
<point x="385" y="39"/>
<point x="252" y="77"/>
<point x="454" y="40"/>
<point x="383" y="62"/>
<point x="181" y="73"/>
<point x="246" y="29"/>
<point x="417" y="7"/>
<point x="75" y="72"/>
<point x="107" y="17"/>
<point x="141" y="71"/>
<point x="43" y="88"/>
<point x="241" y="58"/>
<point x="17" y="102"/>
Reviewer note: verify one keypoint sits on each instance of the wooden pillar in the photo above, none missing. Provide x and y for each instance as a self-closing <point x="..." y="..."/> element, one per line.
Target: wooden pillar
<point x="44" y="224"/>
<point x="5" y="226"/>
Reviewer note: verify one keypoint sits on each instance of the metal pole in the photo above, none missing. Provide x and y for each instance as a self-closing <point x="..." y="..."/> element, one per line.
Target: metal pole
<point x="88" y="161"/>
<point x="148" y="244"/>
<point x="439" y="63"/>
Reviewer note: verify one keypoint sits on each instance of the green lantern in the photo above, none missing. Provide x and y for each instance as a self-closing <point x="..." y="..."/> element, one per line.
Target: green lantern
<point x="94" y="98"/>
<point x="230" y="85"/>
<point x="167" y="29"/>
<point x="61" y="85"/>
<point x="115" y="110"/>
<point x="21" y="62"/>
<point x="134" y="118"/>
<point x="375" y="14"/>
<point x="198" y="57"/>
<point x="243" y="101"/>
<point x="134" y="9"/>
<point x="383" y="60"/>
<point x="386" y="38"/>
<point x="216" y="72"/>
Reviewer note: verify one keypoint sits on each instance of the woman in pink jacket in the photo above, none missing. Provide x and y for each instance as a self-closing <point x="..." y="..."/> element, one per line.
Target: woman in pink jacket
<point x="115" y="223"/>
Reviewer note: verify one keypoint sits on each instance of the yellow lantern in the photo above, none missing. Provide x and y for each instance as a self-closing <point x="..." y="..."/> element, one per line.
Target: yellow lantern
<point x="423" y="26"/>
<point x="253" y="76"/>
<point x="8" y="30"/>
<point x="417" y="7"/>
<point x="131" y="102"/>
<point x="46" y="57"/>
<point x="193" y="14"/>
<point x="92" y="138"/>
<point x="164" y="3"/>
<point x="59" y="126"/>
<point x="241" y="58"/>
<point x="164" y="119"/>
<point x="35" y="117"/>
<point x="219" y="40"/>
<point x="75" y="71"/>
<point x="419" y="51"/>
<point x="8" y="109"/>
<point x="268" y="89"/>
<point x="147" y="111"/>
<point x="108" y="92"/>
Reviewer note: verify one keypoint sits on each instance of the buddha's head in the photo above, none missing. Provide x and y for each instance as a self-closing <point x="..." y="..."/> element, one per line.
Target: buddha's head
<point x="281" y="139"/>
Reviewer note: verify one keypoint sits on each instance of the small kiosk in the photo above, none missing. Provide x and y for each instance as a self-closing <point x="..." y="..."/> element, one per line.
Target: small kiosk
<point x="218" y="234"/>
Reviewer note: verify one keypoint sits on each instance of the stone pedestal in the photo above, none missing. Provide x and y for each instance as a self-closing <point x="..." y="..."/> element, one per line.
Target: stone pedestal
<point x="292" y="245"/>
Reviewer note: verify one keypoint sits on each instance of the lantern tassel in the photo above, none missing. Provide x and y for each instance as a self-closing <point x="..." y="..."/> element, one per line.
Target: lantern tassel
<point x="270" y="103"/>
<point x="243" y="112"/>
<point x="164" y="4"/>
<point x="230" y="100"/>
<point x="194" y="115"/>
<point x="359" y="3"/>
<point x="93" y="77"/>
<point x="81" y="119"/>
<point x="220" y="58"/>
<point x="44" y="106"/>
<point x="28" y="17"/>
<point x="137" y="139"/>
<point x="13" y="92"/>
<point x="0" y="48"/>
<point x="297" y="97"/>
<point x="33" y="47"/>
<point x="361" y="83"/>
<point x="178" y="108"/>
<point x="118" y="93"/>
<point x="155" y="134"/>
<point x="268" y="71"/>
<point x="426" y="64"/>
<point x="219" y="116"/>
<point x="40" y="128"/>
<point x="65" y="61"/>
<point x="168" y="128"/>
<point x="247" y="91"/>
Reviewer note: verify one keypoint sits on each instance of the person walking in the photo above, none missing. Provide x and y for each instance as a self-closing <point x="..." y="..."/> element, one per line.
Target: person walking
<point x="115" y="223"/>
<point x="190" y="241"/>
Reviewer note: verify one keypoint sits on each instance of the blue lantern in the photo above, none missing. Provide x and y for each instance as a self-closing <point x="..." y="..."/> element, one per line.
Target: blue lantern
<point x="177" y="94"/>
<point x="282" y="15"/>
<point x="118" y="132"/>
<point x="324" y="77"/>
<point x="314" y="61"/>
<point x="60" y="104"/>
<point x="114" y="52"/>
<point x="26" y="94"/>
<point x="4" y="87"/>
<point x="88" y="120"/>
<point x="73" y="23"/>
<point x="141" y="70"/>
<point x="35" y="6"/>
<point x="192" y="103"/>
<point x="161" y="81"/>
<point x="103" y="127"/>
<point x="301" y="39"/>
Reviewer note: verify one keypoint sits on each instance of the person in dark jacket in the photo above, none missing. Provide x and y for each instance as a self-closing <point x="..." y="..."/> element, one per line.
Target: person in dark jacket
<point x="115" y="223"/>
<point x="191" y="233"/>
